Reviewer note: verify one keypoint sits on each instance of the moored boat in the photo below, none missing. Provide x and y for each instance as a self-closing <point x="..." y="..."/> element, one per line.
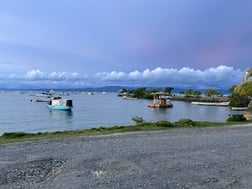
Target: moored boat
<point x="58" y="103"/>
<point x="45" y="96"/>
<point x="43" y="99"/>
<point x="129" y="97"/>
<point x="239" y="108"/>
<point x="211" y="103"/>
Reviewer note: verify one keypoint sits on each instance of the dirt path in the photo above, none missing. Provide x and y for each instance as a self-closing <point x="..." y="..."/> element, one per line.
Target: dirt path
<point x="182" y="158"/>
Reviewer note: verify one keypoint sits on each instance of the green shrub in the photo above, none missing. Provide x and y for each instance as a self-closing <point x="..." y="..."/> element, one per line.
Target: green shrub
<point x="100" y="128"/>
<point x="236" y="117"/>
<point x="185" y="123"/>
<point x="164" y="123"/>
<point x="15" y="135"/>
<point x="237" y="100"/>
<point x="116" y="127"/>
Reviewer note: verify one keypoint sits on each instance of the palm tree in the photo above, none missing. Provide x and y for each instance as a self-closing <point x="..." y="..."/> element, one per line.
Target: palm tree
<point x="168" y="90"/>
<point x="245" y="87"/>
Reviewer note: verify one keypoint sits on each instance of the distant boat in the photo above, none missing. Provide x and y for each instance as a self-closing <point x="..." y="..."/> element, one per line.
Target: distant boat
<point x="239" y="108"/>
<point x="58" y="103"/>
<point x="45" y="96"/>
<point x="64" y="94"/>
<point x="211" y="103"/>
<point x="48" y="93"/>
<point x="43" y="99"/>
<point x="129" y="98"/>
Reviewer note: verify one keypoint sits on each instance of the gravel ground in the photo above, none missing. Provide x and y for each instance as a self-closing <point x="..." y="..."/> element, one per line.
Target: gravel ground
<point x="217" y="157"/>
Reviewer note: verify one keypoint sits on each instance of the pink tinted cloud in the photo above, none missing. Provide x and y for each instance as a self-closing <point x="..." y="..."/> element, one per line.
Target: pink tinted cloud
<point x="223" y="51"/>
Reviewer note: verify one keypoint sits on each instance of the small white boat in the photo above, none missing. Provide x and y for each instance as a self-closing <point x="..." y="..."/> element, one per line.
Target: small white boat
<point x="58" y="103"/>
<point x="48" y="93"/>
<point x="43" y="99"/>
<point x="211" y="103"/>
<point x="239" y="108"/>
<point x="129" y="98"/>
<point x="90" y="93"/>
<point x="44" y="96"/>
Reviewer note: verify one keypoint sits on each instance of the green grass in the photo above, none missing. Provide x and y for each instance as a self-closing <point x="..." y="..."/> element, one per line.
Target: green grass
<point x="144" y="126"/>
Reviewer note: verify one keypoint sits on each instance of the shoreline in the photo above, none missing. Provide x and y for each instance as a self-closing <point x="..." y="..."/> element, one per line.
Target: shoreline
<point x="10" y="137"/>
<point x="199" y="98"/>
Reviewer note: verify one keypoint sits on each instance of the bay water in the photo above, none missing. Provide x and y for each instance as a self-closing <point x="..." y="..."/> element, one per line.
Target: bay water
<point x="20" y="112"/>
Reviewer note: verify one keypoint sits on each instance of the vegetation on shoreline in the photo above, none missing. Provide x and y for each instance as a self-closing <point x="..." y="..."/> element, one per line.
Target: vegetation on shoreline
<point x="240" y="95"/>
<point x="9" y="137"/>
<point x="144" y="93"/>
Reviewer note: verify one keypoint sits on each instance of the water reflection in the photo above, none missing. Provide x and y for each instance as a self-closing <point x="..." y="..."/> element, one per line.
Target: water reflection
<point x="61" y="115"/>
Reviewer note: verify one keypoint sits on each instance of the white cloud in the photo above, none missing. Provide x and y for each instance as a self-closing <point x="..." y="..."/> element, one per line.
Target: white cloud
<point x="219" y="77"/>
<point x="134" y="75"/>
<point x="222" y="77"/>
<point x="114" y="75"/>
<point x="63" y="76"/>
<point x="53" y="76"/>
<point x="34" y="75"/>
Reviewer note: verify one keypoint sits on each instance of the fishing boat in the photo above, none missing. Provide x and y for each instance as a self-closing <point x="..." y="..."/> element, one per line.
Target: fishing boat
<point x="58" y="103"/>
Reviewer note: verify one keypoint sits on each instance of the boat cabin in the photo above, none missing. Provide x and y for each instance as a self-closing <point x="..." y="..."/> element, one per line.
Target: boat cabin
<point x="58" y="103"/>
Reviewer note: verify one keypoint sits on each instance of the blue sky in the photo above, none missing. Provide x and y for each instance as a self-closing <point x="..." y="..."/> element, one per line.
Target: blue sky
<point x="83" y="43"/>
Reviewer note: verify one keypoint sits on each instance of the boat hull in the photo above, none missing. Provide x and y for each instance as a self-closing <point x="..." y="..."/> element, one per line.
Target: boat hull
<point x="57" y="103"/>
<point x="129" y="98"/>
<point x="211" y="103"/>
<point x="59" y="107"/>
<point x="239" y="108"/>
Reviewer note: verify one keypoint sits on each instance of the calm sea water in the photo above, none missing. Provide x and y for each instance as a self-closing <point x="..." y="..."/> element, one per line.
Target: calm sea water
<point x="19" y="113"/>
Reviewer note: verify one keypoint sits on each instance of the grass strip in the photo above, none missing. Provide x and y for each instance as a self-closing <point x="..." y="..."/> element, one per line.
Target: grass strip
<point x="10" y="137"/>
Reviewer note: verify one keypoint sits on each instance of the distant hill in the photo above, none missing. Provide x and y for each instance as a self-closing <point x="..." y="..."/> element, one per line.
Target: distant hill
<point x="118" y="88"/>
<point x="113" y="89"/>
<point x="102" y="89"/>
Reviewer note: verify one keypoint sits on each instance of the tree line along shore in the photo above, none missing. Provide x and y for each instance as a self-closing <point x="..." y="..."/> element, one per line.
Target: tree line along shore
<point x="210" y="95"/>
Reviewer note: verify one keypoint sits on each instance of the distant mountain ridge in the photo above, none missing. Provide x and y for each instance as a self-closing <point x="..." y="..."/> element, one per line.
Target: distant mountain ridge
<point x="112" y="89"/>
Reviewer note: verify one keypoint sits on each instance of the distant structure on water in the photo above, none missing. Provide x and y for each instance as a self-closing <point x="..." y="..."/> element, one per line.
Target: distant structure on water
<point x="161" y="100"/>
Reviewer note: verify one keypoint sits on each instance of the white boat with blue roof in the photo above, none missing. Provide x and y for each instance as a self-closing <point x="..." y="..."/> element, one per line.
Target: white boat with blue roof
<point x="58" y="103"/>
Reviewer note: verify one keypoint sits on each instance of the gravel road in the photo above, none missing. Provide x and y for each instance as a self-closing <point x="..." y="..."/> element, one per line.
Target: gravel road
<point x="217" y="157"/>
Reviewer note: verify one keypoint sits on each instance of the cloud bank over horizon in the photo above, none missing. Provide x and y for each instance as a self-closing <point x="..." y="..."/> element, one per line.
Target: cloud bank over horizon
<point x="220" y="77"/>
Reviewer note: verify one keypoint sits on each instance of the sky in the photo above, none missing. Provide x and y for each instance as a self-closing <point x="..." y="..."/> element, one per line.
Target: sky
<point x="93" y="43"/>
